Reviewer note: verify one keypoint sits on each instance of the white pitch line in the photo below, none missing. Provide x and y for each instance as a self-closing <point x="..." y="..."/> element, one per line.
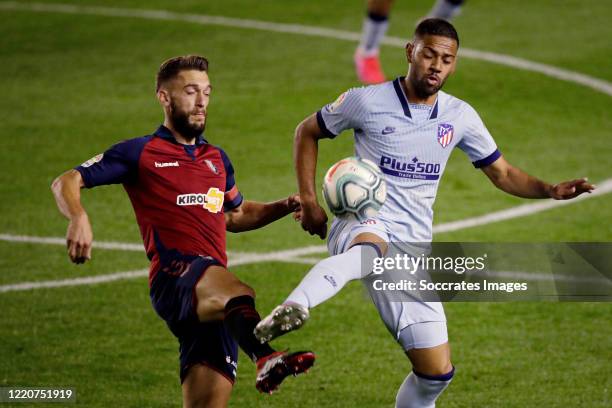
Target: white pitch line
<point x="597" y="84"/>
<point x="544" y="277"/>
<point x="88" y="280"/>
<point x="127" y="246"/>
<point x="603" y="188"/>
<point x="111" y="277"/>
<point x="121" y="246"/>
<point x="92" y="280"/>
<point x="242" y="258"/>
<point x="534" y="276"/>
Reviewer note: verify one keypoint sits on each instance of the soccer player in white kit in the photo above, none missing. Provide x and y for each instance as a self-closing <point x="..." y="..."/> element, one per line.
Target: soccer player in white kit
<point x="409" y="128"/>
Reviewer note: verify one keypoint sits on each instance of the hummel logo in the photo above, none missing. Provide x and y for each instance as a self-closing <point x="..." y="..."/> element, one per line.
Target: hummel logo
<point x="167" y="164"/>
<point x="211" y="166"/>
<point x="388" y="130"/>
<point x="229" y="360"/>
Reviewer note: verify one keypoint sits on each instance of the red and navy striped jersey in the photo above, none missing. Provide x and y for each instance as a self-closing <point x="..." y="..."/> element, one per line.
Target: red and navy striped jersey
<point x="179" y="192"/>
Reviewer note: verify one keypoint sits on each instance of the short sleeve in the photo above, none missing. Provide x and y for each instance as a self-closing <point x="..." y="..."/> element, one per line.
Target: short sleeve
<point x="344" y="113"/>
<point x="233" y="198"/>
<point x="119" y="164"/>
<point x="476" y="140"/>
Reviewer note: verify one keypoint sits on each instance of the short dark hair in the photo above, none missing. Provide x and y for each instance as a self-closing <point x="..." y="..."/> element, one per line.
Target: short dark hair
<point x="171" y="68"/>
<point x="436" y="26"/>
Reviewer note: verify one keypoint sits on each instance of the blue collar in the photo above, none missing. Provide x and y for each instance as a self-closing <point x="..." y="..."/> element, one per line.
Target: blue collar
<point x="397" y="84"/>
<point x="166" y="134"/>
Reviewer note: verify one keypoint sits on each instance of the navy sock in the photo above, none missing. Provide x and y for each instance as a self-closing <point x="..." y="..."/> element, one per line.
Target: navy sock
<point x="241" y="319"/>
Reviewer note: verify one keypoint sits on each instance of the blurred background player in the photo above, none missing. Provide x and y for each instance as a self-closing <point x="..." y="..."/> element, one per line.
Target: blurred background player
<point x="367" y="61"/>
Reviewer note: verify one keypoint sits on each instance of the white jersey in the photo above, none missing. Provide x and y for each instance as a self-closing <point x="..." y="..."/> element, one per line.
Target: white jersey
<point x="411" y="144"/>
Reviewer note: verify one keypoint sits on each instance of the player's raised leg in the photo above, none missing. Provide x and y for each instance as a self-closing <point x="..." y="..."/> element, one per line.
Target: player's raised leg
<point x="321" y="283"/>
<point x="367" y="63"/>
<point x="222" y="296"/>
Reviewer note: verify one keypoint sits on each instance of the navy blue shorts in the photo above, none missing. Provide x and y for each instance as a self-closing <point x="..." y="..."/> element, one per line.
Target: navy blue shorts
<point x="173" y="298"/>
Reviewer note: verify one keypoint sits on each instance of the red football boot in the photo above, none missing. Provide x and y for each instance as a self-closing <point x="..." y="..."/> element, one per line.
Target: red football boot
<point x="274" y="368"/>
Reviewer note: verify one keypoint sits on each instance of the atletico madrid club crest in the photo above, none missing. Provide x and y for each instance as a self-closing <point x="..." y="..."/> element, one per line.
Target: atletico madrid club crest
<point x="445" y="134"/>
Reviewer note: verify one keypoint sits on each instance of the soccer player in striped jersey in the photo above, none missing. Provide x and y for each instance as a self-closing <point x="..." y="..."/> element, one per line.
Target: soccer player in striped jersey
<point x="185" y="197"/>
<point x="409" y="127"/>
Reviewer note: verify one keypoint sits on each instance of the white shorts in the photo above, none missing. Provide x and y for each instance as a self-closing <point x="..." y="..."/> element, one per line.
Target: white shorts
<point x="408" y="321"/>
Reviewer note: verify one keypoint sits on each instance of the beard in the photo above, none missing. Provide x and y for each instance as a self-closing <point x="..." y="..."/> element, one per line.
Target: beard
<point x="423" y="89"/>
<point x="180" y="122"/>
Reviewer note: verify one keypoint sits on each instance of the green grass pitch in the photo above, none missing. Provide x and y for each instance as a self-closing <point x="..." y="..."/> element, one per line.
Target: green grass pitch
<point x="75" y="84"/>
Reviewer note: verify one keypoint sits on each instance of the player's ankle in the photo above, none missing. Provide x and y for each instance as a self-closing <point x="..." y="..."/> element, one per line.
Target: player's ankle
<point x="363" y="53"/>
<point x="293" y="303"/>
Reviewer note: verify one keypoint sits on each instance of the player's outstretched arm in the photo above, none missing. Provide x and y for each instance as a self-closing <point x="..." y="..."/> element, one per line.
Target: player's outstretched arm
<point x="79" y="237"/>
<point x="305" y="151"/>
<point x="251" y="215"/>
<point x="515" y="181"/>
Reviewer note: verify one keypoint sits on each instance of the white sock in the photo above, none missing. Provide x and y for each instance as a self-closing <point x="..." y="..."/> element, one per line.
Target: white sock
<point x="419" y="392"/>
<point x="330" y="275"/>
<point x="445" y="9"/>
<point x="373" y="30"/>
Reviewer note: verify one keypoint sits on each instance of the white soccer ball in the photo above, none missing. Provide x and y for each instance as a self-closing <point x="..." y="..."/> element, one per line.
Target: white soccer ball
<point x="354" y="187"/>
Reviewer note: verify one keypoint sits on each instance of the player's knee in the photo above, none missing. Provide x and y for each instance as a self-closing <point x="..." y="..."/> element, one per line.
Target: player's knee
<point x="211" y="308"/>
<point x="199" y="401"/>
<point x="242" y="289"/>
<point x="433" y="367"/>
<point x="438" y="369"/>
<point x="204" y="386"/>
<point x="432" y="362"/>
<point x="204" y="400"/>
<point x="420" y="390"/>
<point x="203" y="397"/>
<point x="372" y="240"/>
<point x="219" y="300"/>
<point x="215" y="298"/>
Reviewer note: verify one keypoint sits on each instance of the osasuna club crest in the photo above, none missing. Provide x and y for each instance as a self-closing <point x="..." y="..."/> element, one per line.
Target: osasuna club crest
<point x="445" y="134"/>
